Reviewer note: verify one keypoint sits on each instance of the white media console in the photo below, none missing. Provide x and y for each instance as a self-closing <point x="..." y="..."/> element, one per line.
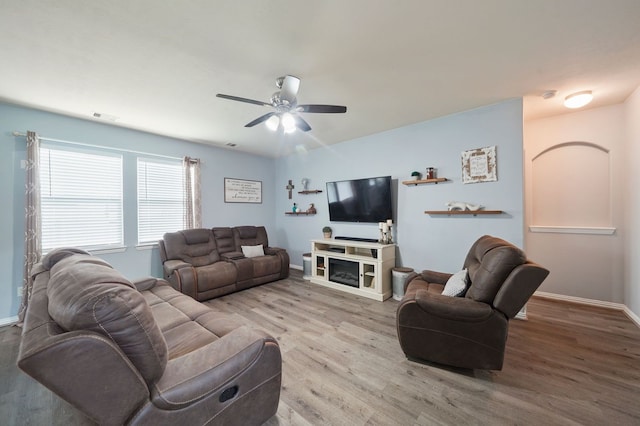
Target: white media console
<point x="357" y="267"/>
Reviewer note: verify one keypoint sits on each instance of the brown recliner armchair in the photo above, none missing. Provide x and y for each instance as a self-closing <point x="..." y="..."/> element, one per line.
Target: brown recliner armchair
<point x="469" y="331"/>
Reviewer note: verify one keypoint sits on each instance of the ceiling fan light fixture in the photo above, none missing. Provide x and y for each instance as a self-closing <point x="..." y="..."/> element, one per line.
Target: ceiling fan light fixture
<point x="272" y="123"/>
<point x="288" y="122"/>
<point x="578" y="99"/>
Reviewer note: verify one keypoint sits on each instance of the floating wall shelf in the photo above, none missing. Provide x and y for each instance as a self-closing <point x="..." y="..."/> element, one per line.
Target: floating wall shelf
<point x="462" y="212"/>
<point x="299" y="213"/>
<point x="423" y="181"/>
<point x="310" y="191"/>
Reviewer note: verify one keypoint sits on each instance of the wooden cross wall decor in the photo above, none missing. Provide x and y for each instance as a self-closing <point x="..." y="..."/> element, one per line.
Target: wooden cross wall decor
<point x="290" y="187"/>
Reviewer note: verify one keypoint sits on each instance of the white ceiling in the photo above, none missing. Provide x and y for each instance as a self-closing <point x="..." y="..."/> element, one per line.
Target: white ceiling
<point x="157" y="65"/>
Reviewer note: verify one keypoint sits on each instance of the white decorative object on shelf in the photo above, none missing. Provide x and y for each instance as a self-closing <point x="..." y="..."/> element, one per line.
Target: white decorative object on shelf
<point x="460" y="205"/>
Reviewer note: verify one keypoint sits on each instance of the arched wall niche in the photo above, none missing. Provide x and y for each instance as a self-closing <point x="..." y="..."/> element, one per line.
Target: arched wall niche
<point x="571" y="187"/>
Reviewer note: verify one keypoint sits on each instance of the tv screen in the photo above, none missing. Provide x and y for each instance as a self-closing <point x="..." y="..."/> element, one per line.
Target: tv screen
<point x="360" y="200"/>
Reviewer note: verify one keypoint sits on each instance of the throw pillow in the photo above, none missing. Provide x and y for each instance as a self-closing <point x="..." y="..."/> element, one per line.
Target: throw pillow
<point x="456" y="285"/>
<point x="253" y="251"/>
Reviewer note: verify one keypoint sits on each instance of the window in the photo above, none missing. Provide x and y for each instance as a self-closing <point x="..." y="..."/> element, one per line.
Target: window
<point x="160" y="198"/>
<point x="81" y="198"/>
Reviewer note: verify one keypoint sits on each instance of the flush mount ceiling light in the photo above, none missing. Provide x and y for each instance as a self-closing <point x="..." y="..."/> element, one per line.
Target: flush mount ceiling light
<point x="579" y="99"/>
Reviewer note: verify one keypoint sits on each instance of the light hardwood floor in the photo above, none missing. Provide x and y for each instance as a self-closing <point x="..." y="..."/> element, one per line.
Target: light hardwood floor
<point x="342" y="365"/>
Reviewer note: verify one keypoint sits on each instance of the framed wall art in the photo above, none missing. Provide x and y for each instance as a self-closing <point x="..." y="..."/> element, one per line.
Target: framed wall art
<point x="242" y="191"/>
<point x="479" y="165"/>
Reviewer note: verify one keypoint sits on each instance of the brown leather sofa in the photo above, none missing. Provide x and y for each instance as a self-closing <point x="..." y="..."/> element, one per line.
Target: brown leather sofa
<point x="208" y="263"/>
<point x="141" y="352"/>
<point x="469" y="331"/>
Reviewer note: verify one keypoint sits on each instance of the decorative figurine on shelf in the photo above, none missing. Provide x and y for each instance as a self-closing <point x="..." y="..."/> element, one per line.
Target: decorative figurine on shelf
<point x="431" y="173"/>
<point x="305" y="183"/>
<point x="311" y="209"/>
<point x="416" y="175"/>
<point x="294" y="208"/>
<point x="385" y="232"/>
<point x="460" y="205"/>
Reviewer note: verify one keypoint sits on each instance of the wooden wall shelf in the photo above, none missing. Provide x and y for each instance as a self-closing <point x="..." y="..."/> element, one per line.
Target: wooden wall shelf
<point x="423" y="181"/>
<point x="462" y="212"/>
<point x="299" y="213"/>
<point x="310" y="191"/>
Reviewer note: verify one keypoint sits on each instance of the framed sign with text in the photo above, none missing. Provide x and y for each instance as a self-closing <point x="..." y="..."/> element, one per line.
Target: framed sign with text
<point x="242" y="191"/>
<point x="479" y="165"/>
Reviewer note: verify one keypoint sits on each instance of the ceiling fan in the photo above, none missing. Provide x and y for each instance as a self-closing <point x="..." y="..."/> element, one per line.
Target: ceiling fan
<point x="284" y="102"/>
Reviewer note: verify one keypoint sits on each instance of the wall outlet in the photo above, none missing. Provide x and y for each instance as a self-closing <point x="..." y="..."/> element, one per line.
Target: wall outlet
<point x="19" y="291"/>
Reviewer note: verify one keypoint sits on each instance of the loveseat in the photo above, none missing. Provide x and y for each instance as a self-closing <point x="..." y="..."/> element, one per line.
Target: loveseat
<point x="207" y="263"/>
<point x="140" y="352"/>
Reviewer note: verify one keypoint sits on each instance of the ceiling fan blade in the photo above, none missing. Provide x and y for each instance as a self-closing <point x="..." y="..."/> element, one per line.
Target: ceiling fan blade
<point x="289" y="90"/>
<point x="260" y="119"/>
<point x="301" y="123"/>
<point x="239" y="99"/>
<point x="322" y="108"/>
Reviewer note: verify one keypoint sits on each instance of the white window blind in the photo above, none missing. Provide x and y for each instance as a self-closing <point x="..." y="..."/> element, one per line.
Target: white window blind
<point x="160" y="198"/>
<point x="81" y="199"/>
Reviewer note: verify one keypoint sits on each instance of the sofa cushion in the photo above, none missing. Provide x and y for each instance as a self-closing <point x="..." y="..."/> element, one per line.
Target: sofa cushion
<point x="194" y="246"/>
<point x="217" y="275"/>
<point x="489" y="261"/>
<point x="250" y="236"/>
<point x="224" y="239"/>
<point x="85" y="293"/>
<point x="456" y="284"/>
<point x="253" y="251"/>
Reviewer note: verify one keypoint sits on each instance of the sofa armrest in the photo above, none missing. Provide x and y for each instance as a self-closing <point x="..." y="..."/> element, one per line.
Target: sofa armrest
<point x="245" y="358"/>
<point x="273" y="250"/>
<point x="173" y="265"/>
<point x="452" y="308"/>
<point x="284" y="259"/>
<point x="86" y="369"/>
<point x="232" y="255"/>
<point x="147" y="283"/>
<point x="428" y="276"/>
<point x="435" y="276"/>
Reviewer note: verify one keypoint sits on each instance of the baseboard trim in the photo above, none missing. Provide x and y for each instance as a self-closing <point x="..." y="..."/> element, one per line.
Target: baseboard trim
<point x="591" y="302"/>
<point x="299" y="268"/>
<point x="8" y="321"/>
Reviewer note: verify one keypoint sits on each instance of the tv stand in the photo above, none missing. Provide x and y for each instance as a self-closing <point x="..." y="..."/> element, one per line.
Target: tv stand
<point x="366" y="240"/>
<point x="357" y="267"/>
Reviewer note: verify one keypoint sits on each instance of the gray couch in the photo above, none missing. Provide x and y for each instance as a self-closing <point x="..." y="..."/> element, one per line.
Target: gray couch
<point x="141" y="352"/>
<point x="207" y="263"/>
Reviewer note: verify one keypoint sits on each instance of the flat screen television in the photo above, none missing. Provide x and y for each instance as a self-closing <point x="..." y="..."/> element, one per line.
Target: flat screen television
<point x="360" y="200"/>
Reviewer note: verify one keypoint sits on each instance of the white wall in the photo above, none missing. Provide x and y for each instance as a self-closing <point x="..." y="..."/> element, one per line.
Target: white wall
<point x="631" y="202"/>
<point x="424" y="242"/>
<point x="582" y="265"/>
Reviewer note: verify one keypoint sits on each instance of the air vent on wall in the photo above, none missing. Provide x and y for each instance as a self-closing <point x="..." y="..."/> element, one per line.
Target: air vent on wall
<point x="103" y="116"/>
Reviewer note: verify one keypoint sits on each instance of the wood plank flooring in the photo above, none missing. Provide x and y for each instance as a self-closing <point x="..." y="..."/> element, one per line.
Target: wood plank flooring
<point x="342" y="365"/>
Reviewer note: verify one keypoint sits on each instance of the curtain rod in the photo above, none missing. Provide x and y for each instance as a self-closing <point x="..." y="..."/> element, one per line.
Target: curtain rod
<point x="101" y="147"/>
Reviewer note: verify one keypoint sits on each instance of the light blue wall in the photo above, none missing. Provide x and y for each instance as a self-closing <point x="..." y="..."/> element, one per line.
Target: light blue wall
<point x="217" y="163"/>
<point x="424" y="242"/>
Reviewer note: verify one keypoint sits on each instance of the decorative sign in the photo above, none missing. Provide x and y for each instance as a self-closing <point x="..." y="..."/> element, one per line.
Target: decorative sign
<point x="242" y="191"/>
<point x="479" y="165"/>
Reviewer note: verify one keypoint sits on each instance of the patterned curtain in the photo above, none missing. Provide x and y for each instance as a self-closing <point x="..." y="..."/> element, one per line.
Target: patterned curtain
<point x="192" y="202"/>
<point x="32" y="219"/>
